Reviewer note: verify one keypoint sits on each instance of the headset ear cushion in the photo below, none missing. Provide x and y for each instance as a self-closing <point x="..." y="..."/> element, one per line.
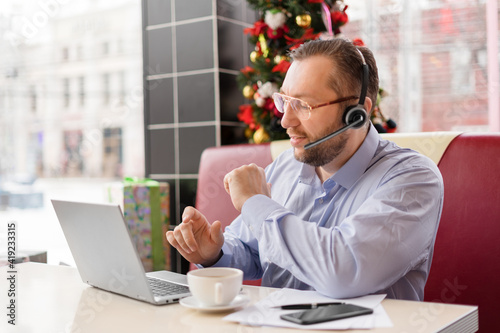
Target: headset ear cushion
<point x="354" y="113"/>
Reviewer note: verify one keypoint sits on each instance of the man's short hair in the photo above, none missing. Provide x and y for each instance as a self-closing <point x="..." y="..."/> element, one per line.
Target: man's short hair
<point x="347" y="76"/>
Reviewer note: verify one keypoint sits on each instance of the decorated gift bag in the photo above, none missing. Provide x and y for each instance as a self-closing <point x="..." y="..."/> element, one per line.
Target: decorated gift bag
<point x="146" y="208"/>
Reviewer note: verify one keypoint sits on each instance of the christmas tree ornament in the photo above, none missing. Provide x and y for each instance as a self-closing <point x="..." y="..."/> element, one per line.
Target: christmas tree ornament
<point x="263" y="45"/>
<point x="267" y="89"/>
<point x="248" y="133"/>
<point x="260" y="136"/>
<point x="303" y="21"/>
<point x="339" y="17"/>
<point x="259" y="100"/>
<point x="279" y="58"/>
<point x="275" y="19"/>
<point x="254" y="55"/>
<point x="248" y="92"/>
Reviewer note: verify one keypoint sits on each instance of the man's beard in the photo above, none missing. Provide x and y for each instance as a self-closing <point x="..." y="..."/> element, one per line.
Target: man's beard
<point x="325" y="152"/>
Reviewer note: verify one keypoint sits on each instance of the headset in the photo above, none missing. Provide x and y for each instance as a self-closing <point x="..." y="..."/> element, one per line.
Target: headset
<point x="354" y="113"/>
<point x="354" y="116"/>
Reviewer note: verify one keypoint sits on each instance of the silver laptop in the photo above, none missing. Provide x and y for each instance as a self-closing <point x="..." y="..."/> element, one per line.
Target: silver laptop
<point x="106" y="257"/>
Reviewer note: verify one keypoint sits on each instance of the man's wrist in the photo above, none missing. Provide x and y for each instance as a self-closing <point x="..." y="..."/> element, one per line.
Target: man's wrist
<point x="213" y="262"/>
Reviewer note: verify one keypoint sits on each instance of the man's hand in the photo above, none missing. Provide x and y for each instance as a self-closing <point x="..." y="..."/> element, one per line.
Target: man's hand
<point x="197" y="240"/>
<point x="244" y="182"/>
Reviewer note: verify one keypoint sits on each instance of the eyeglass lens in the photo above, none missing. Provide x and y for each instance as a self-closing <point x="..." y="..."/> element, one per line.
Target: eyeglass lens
<point x="301" y="108"/>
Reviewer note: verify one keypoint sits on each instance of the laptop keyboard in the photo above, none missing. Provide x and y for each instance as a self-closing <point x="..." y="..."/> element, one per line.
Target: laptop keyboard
<point x="165" y="288"/>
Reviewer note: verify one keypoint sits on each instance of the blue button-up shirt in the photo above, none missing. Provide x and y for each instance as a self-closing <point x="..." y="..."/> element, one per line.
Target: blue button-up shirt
<point x="370" y="228"/>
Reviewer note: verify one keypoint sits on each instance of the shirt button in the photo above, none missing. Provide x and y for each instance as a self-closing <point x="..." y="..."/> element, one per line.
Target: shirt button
<point x="320" y="200"/>
<point x="251" y="228"/>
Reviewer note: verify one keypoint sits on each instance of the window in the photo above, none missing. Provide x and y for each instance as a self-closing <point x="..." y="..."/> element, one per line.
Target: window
<point x="33" y="99"/>
<point x="462" y="74"/>
<point x="79" y="52"/>
<point x="432" y="60"/>
<point x="119" y="45"/>
<point x="122" y="85"/>
<point x="105" y="48"/>
<point x="81" y="92"/>
<point x="65" y="54"/>
<point x="52" y="117"/>
<point x="66" y="92"/>
<point x="106" y="94"/>
<point x="113" y="155"/>
<point x="2" y="101"/>
<point x="72" y="161"/>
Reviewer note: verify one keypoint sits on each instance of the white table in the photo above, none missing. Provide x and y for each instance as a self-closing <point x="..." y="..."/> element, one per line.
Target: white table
<point x="54" y="299"/>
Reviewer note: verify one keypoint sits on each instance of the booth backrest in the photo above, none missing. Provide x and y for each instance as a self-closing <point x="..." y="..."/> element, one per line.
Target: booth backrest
<point x="466" y="258"/>
<point x="211" y="197"/>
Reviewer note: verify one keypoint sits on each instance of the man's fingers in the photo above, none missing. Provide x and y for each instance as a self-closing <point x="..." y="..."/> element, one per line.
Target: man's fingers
<point x="188" y="213"/>
<point x="192" y="214"/>
<point x="188" y="236"/>
<point x="171" y="239"/>
<point x="216" y="233"/>
<point x="179" y="237"/>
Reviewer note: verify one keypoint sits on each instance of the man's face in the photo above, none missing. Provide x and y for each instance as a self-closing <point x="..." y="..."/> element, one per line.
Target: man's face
<point x="308" y="80"/>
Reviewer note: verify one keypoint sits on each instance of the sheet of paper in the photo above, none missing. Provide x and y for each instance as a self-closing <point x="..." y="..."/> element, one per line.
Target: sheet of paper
<point x="265" y="313"/>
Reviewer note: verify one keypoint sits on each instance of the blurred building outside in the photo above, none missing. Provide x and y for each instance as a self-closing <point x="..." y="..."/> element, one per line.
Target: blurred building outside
<point x="433" y="61"/>
<point x="71" y="90"/>
<point x="71" y="110"/>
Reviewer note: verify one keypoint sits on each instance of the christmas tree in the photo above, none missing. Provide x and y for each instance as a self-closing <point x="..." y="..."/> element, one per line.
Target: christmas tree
<point x="283" y="26"/>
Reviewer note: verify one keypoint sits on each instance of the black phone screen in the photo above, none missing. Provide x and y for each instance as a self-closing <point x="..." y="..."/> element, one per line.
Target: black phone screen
<point x="326" y="313"/>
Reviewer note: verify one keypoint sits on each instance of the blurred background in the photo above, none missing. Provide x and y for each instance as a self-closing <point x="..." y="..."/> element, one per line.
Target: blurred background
<point x="94" y="91"/>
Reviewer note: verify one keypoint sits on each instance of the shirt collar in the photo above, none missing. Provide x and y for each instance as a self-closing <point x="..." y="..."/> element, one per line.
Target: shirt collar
<point x="307" y="174"/>
<point x="356" y="166"/>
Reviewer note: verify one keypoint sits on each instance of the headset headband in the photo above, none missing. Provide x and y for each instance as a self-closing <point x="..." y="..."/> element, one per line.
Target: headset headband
<point x="364" y="84"/>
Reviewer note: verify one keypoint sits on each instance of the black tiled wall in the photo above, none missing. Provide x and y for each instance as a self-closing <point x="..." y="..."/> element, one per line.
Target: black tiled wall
<point x="160" y="95"/>
<point x="193" y="50"/>
<point x="196" y="97"/>
<point x="158" y="60"/>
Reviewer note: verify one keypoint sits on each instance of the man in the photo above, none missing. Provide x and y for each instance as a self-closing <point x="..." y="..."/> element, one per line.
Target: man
<point x="354" y="215"/>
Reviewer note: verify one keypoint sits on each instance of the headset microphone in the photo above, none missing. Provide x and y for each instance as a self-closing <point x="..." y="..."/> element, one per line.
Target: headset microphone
<point x="355" y="115"/>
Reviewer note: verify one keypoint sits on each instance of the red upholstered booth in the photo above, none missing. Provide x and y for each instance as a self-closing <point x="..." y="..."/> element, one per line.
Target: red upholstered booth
<point x="466" y="260"/>
<point x="211" y="197"/>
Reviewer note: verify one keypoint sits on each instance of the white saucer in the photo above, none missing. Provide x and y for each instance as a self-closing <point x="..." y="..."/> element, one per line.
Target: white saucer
<point x="192" y="303"/>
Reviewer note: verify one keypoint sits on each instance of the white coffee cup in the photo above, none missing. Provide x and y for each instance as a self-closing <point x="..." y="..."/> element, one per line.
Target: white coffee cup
<point x="215" y="286"/>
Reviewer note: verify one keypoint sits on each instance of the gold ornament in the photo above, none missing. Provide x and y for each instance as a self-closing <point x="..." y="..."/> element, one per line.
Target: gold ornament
<point x="253" y="56"/>
<point x="248" y="133"/>
<point x="248" y="92"/>
<point x="303" y="21"/>
<point x="260" y="136"/>
<point x="280" y="58"/>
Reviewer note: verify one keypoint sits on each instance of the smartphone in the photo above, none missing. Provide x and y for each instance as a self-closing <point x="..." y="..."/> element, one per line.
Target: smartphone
<point x="326" y="313"/>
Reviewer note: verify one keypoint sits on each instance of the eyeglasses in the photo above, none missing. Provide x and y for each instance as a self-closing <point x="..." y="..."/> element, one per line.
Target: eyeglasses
<point x="302" y="109"/>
